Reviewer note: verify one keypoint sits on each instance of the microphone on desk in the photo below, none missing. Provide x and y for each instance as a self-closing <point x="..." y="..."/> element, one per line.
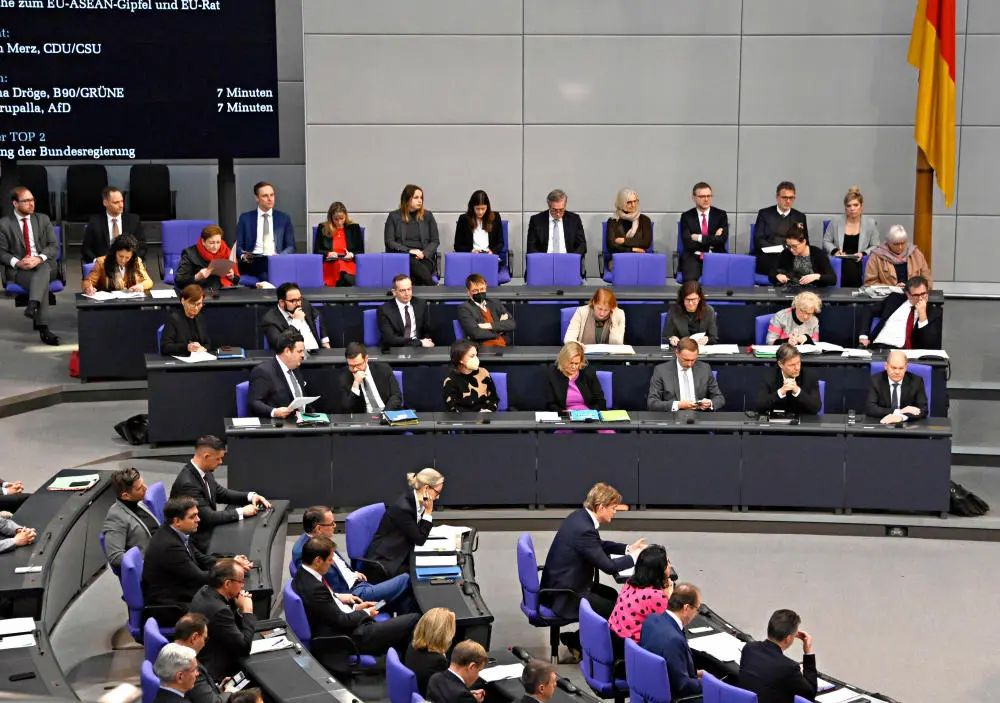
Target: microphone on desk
<point x="520" y="653"/>
<point x="467" y="589"/>
<point x="566" y="685"/>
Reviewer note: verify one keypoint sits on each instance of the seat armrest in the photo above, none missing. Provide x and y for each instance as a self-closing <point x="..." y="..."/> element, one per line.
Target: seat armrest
<point x="600" y="264"/>
<point x="677" y="258"/>
<point x="381" y="569"/>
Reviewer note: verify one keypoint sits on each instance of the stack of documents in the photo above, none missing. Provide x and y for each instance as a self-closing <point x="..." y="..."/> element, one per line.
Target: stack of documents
<point x="426" y="573"/>
<point x="397" y="418"/>
<point x="101" y="295"/>
<point x="609" y="349"/>
<point x="448" y="531"/>
<point x="721" y="645"/>
<point x="443" y="560"/>
<point x="196" y="357"/>
<point x="163" y="293"/>
<point x="547" y="417"/>
<point x="615" y="416"/>
<point x="435" y="544"/>
<point x="765" y="351"/>
<point x="504" y="671"/>
<point x="584" y="416"/>
<point x="74" y="483"/>
<point x="842" y="695"/>
<point x="271" y="644"/>
<point x="819" y="347"/>
<point x="720" y="349"/>
<point x="856" y="354"/>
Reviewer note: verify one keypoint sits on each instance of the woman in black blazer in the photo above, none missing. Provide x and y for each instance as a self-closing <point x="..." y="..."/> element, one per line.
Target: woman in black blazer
<point x="572" y="385"/>
<point x="428" y="652"/>
<point x="186" y="331"/>
<point x="479" y="230"/>
<point x="690" y="314"/>
<point x="403" y="527"/>
<point x="339" y="240"/>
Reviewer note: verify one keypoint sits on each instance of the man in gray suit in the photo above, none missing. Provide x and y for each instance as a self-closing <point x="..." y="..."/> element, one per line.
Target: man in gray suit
<point x="28" y="251"/>
<point x="684" y="384"/>
<point x="129" y="523"/>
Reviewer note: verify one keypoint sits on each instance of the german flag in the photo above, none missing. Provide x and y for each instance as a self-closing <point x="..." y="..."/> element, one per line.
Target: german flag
<point x="932" y="53"/>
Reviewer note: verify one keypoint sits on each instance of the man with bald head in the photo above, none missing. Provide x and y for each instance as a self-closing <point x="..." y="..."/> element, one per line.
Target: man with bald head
<point x="896" y="395"/>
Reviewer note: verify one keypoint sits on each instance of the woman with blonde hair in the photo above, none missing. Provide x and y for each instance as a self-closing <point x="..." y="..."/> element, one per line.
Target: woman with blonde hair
<point x="798" y="324"/>
<point x="572" y="385"/>
<point x="405" y="525"/>
<point x="629" y="231"/>
<point x="600" y="321"/>
<point x="339" y="240"/>
<point x="850" y="237"/>
<point x="896" y="261"/>
<point x="428" y="652"/>
<point x="413" y="230"/>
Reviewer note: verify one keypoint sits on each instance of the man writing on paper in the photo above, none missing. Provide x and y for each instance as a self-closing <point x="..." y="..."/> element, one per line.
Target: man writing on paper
<point x="685" y="383"/>
<point x="765" y="670"/>
<point x="278" y="382"/>
<point x="896" y="395"/>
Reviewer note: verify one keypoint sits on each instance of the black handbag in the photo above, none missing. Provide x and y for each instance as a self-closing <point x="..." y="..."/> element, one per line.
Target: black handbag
<point x="134" y="430"/>
<point x="965" y="503"/>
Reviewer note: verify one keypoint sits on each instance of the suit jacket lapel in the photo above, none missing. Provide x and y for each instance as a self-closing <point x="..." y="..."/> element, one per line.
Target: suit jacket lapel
<point x="397" y="318"/>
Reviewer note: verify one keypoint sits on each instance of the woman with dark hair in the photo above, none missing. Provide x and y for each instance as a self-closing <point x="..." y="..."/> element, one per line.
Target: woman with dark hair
<point x="186" y="332"/>
<point x="121" y="269"/>
<point x="339" y="240"/>
<point x="479" y="230"/>
<point x="469" y="387"/>
<point x="690" y="316"/>
<point x="413" y="230"/>
<point x="194" y="266"/>
<point x="646" y="592"/>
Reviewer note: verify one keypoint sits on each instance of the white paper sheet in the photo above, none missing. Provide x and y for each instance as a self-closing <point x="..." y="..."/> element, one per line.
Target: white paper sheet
<point x="720" y="349"/>
<point x="16" y="626"/>
<point x="821" y="683"/>
<point x="17" y="641"/>
<point x="918" y="353"/>
<point x="271" y="644"/>
<point x="246" y="422"/>
<point x="196" y="357"/>
<point x="698" y="335"/>
<point x="504" y="671"/>
<point x="766" y="348"/>
<point x="700" y="630"/>
<point x="609" y="349"/>
<point x="776" y="249"/>
<point x="721" y="645"/>
<point x="841" y="695"/>
<point x="265" y="284"/>
<point x="163" y="293"/>
<point x="448" y="531"/>
<point x="302" y="401"/>
<point x="448" y="560"/>
<point x="435" y="545"/>
<point x="547" y="417"/>
<point x="856" y="354"/>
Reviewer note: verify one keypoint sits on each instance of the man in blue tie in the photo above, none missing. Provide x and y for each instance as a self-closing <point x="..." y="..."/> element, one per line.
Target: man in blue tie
<point x="664" y="635"/>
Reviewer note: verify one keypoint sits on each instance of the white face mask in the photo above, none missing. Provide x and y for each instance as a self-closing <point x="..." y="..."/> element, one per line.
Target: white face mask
<point x="472" y="364"/>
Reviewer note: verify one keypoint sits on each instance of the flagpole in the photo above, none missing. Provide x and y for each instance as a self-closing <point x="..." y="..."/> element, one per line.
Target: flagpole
<point x="923" y="206"/>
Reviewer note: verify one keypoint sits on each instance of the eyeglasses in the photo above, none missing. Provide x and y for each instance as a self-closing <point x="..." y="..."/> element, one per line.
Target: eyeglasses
<point x="786" y="197"/>
<point x="631" y="202"/>
<point x="194" y="303"/>
<point x="919" y="296"/>
<point x="293" y="300"/>
<point x="327" y="524"/>
<point x="27" y="200"/>
<point x="693" y="299"/>
<point x="237" y="580"/>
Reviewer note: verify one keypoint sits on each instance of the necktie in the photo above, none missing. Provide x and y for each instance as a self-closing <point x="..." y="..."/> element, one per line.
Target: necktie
<point x="557" y="242"/>
<point x="208" y="489"/>
<point x="114" y="228"/>
<point x="895" y="396"/>
<point x="407" y="325"/>
<point x="369" y="396"/>
<point x="704" y="224"/>
<point x="910" y="322"/>
<point x="27" y="236"/>
<point x="687" y="392"/>
<point x="296" y="388"/>
<point x="268" y="236"/>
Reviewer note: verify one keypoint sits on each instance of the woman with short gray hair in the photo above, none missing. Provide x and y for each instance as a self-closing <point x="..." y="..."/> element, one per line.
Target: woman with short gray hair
<point x="895" y="261"/>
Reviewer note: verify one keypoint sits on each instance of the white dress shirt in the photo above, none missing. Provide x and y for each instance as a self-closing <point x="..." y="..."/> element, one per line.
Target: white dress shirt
<point x="685" y="387"/>
<point x="696" y="236"/>
<point x="370" y="383"/>
<point x="894" y="330"/>
<point x="303" y="328"/>
<point x="344" y="607"/>
<point x="421" y="513"/>
<point x="33" y="251"/>
<point x="260" y="247"/>
<point x="402" y="316"/>
<point x="557" y="245"/>
<point x="201" y="473"/>
<point x="346" y="572"/>
<point x="676" y="619"/>
<point x="480" y="237"/>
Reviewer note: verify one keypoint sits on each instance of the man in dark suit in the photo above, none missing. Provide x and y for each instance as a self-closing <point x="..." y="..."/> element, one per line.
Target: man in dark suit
<point x="231" y="622"/>
<point x="685" y="383"/>
<point x="367" y="386"/>
<point x="557" y="220"/>
<point x="766" y="671"/>
<point x="174" y="568"/>
<point x="29" y="254"/>
<point x="789" y="387"/>
<point x="484" y="321"/>
<point x="663" y="634"/>
<point x="192" y="631"/>
<point x="403" y="321"/>
<point x="103" y="227"/>
<point x="294" y="312"/>
<point x="263" y="232"/>
<point x="275" y="383"/>
<point x="896" y="395"/>
<point x="704" y="228"/>
<point x="197" y="479"/>
<point x="129" y="522"/>
<point x="329" y="616"/>
<point x="452" y="686"/>
<point x="176" y="667"/>
<point x="578" y="554"/>
<point x="773" y="223"/>
<point x="539" y="681"/>
<point x="905" y="321"/>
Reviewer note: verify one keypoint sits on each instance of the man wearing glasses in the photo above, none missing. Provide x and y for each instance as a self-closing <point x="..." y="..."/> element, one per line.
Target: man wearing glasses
<point x="704" y="228"/>
<point x="905" y="322"/>
<point x="229" y="611"/>
<point x="28" y="252"/>
<point x="773" y="223"/>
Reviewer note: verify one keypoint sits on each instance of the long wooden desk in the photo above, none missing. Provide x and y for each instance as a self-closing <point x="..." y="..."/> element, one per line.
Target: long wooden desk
<point x="865" y="466"/>
<point x="114" y="335"/>
<point x="190" y="400"/>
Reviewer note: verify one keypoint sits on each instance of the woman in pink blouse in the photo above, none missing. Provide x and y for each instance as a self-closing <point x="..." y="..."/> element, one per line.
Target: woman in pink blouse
<point x="645" y="593"/>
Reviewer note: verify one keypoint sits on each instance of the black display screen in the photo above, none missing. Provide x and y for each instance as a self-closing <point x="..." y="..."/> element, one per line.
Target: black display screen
<point x="138" y="79"/>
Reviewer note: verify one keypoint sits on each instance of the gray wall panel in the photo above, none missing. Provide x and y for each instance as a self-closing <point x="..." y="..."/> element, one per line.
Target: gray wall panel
<point x="784" y="17"/>
<point x="394" y="17"/>
<point x="979" y="151"/>
<point x="289" y="37"/>
<point x="975" y="244"/>
<point x="456" y="80"/>
<point x="984" y="17"/>
<point x="633" y="17"/>
<point x="981" y="103"/>
<point x="574" y="80"/>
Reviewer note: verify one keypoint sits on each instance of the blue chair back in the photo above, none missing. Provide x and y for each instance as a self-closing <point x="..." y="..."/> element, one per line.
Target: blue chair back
<point x="243" y="399"/>
<point x="565" y="317"/>
<point x="87" y="268"/>
<point x="416" y="698"/>
<point x="150" y="684"/>
<point x="826" y="223"/>
<point x="715" y="270"/>
<point x="153" y="640"/>
<point x="295" y="615"/>
<point x="822" y="397"/>
<point x="716" y="691"/>
<point x="378" y="270"/>
<point x="159" y="339"/>
<point x="156" y="498"/>
<point x="131" y="580"/>
<point x="733" y="270"/>
<point x="663" y="323"/>
<point x="372" y="336"/>
<point x="838" y="268"/>
<point x="553" y="270"/>
<point x="640" y="269"/>
<point x="399" y="380"/>
<point x="864" y="267"/>
<point x="292" y="569"/>
<point x="500" y="381"/>
<point x="303" y="269"/>
<point x="646" y="674"/>
<point x="456" y="326"/>
<point x="527" y="575"/>
<point x="760" y="324"/>
<point x="400" y="682"/>
<point x="504" y="273"/>
<point x="360" y="527"/>
<point x="598" y="660"/>
<point x="759" y="279"/>
<point x="177" y="235"/>
<point x="922" y="370"/>
<point x="459" y="265"/>
<point x="605" y="379"/>
<point x="800" y="699"/>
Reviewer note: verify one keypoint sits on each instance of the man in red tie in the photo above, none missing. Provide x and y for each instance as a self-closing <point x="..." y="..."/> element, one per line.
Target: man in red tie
<point x="904" y="321"/>
<point x="704" y="228"/>
<point x="28" y="253"/>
